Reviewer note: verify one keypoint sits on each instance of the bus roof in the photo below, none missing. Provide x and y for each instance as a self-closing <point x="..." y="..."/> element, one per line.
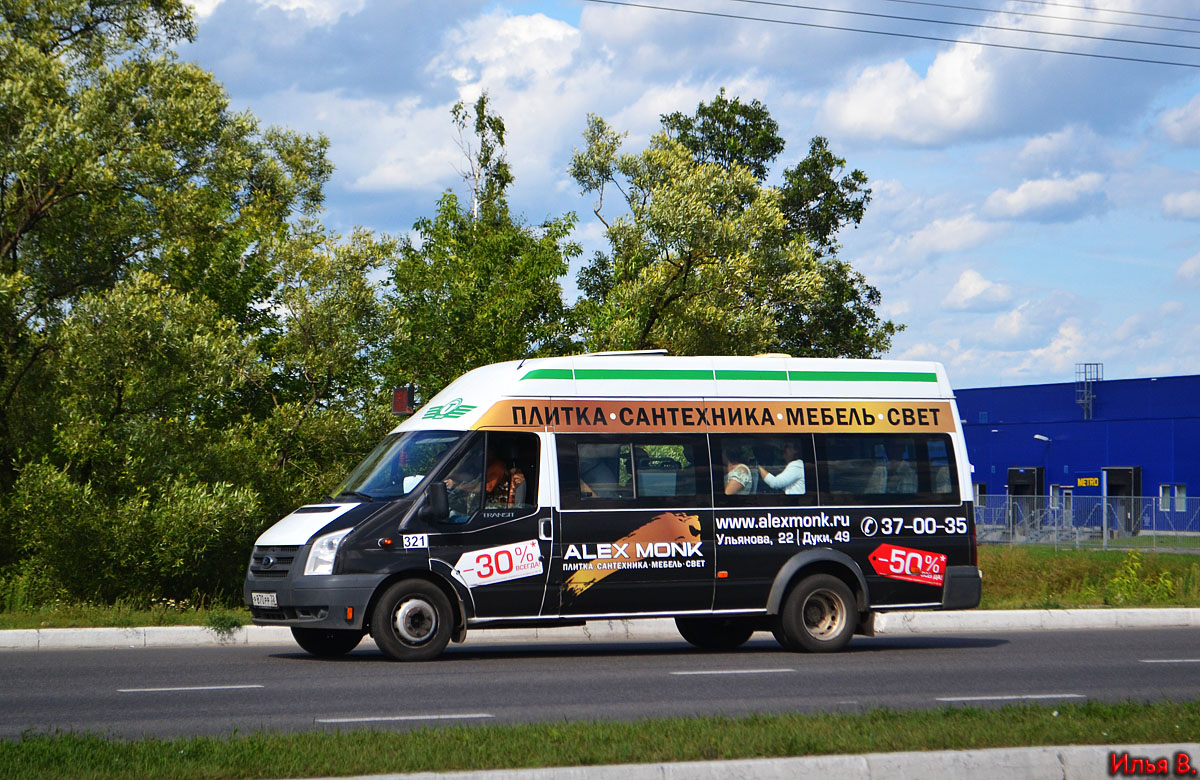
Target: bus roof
<point x="641" y="375"/>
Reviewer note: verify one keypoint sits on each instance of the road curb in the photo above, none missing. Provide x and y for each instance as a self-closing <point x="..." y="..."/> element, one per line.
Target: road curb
<point x="1073" y="762"/>
<point x="655" y="629"/>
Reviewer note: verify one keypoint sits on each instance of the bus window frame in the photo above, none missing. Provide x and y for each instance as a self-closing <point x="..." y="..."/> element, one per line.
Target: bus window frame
<point x="567" y="452"/>
<point x="924" y="473"/>
<point x="810" y="496"/>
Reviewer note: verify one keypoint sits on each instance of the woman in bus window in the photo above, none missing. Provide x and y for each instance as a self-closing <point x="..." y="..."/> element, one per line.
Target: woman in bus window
<point x="791" y="479"/>
<point x="738" y="477"/>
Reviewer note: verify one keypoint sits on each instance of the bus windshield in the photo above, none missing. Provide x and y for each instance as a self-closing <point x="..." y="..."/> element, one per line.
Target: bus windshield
<point x="398" y="465"/>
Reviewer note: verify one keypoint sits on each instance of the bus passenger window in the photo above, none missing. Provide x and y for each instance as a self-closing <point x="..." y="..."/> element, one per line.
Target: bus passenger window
<point x="764" y="470"/>
<point x="882" y="469"/>
<point x="600" y="470"/>
<point x="634" y="470"/>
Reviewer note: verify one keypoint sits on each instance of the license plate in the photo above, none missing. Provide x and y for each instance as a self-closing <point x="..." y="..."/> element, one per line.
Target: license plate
<point x="264" y="600"/>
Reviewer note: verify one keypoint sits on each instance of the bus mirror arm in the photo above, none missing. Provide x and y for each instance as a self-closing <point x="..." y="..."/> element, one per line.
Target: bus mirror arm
<point x="437" y="504"/>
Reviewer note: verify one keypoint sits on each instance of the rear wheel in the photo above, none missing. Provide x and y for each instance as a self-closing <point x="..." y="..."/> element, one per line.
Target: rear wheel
<point x="412" y="621"/>
<point x="715" y="633"/>
<point x="818" y="615"/>
<point x="325" y="642"/>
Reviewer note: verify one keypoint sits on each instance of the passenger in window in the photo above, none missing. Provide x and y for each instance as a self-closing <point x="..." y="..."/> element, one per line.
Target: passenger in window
<point x="738" y="476"/>
<point x="505" y="486"/>
<point x="791" y="479"/>
<point x="597" y="473"/>
<point x="902" y="477"/>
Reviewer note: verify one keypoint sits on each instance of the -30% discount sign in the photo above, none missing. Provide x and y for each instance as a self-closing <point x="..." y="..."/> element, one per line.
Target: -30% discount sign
<point x="499" y="564"/>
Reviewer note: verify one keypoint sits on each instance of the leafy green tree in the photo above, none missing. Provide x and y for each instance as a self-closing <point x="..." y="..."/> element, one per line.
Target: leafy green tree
<point x="115" y="157"/>
<point x="818" y="198"/>
<point x="699" y="262"/>
<point x="185" y="353"/>
<point x="728" y="132"/>
<point x="477" y="285"/>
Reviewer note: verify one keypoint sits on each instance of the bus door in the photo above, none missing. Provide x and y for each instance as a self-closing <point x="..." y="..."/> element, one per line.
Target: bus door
<point x="766" y="496"/>
<point x="635" y="531"/>
<point x="496" y="542"/>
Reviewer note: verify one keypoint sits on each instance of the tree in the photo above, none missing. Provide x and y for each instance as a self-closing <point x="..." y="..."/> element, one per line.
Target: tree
<point x="728" y="132"/>
<point x="699" y="264"/>
<point x="117" y="157"/>
<point x="185" y="352"/>
<point x="478" y="285"/>
<point x="817" y="198"/>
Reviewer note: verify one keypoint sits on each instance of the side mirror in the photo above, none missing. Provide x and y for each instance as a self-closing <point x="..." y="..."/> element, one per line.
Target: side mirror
<point x="437" y="504"/>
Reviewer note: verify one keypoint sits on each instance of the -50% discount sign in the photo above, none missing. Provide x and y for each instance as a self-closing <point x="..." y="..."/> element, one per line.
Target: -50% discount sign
<point x="901" y="563"/>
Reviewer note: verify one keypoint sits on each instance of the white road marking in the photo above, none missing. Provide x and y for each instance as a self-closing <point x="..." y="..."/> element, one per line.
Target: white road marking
<point x="189" y="688"/>
<point x="1171" y="660"/>
<point x="1017" y="697"/>
<point x="381" y="718"/>
<point x="737" y="671"/>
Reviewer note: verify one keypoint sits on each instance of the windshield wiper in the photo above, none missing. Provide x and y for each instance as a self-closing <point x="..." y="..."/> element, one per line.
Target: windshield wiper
<point x="355" y="494"/>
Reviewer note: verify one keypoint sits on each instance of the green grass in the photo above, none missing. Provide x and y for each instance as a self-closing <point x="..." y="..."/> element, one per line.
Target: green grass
<point x="1031" y="576"/>
<point x="90" y="757"/>
<point x="165" y="613"/>
<point x="1018" y="577"/>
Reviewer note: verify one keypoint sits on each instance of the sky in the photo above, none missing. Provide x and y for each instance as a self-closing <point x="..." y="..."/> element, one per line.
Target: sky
<point x="1030" y="211"/>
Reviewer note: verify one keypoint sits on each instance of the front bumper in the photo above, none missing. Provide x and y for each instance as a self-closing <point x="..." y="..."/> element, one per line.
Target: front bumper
<point x="336" y="601"/>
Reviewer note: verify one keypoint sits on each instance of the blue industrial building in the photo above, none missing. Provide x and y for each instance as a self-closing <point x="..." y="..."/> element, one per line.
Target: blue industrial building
<point x="1092" y="443"/>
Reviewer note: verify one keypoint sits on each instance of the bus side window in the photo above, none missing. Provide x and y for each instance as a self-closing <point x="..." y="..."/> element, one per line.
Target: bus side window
<point x="635" y="470"/>
<point x="882" y="469"/>
<point x="764" y="469"/>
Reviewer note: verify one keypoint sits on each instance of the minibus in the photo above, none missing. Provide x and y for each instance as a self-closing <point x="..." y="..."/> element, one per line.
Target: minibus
<point x="799" y="496"/>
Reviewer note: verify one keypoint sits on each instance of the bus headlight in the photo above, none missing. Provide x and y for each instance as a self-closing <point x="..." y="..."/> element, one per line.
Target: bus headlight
<point x="320" y="557"/>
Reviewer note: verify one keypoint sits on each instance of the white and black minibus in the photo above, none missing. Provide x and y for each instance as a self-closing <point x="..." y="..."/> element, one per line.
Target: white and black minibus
<point x="733" y="494"/>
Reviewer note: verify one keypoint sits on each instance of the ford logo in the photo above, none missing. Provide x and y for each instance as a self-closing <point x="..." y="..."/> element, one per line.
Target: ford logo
<point x="268" y="561"/>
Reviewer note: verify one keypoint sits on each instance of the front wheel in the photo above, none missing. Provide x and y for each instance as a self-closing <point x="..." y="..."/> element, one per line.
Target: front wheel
<point x="326" y="643"/>
<point x="715" y="633"/>
<point x="412" y="621"/>
<point x="818" y="615"/>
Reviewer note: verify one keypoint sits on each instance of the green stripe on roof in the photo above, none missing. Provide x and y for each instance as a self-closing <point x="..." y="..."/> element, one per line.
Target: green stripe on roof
<point x="743" y="375"/>
<point x="861" y="376"/>
<point x="747" y="375"/>
<point x="549" y="373"/>
<point x="643" y="373"/>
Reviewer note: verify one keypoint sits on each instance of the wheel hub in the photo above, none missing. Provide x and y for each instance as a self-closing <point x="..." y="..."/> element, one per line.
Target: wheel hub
<point x="416" y="621"/>
<point x="824" y="614"/>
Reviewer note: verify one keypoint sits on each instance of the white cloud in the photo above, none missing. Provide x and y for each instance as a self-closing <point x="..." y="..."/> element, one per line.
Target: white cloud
<point x="1073" y="149"/>
<point x="1066" y="348"/>
<point x="499" y="48"/>
<point x="892" y="101"/>
<point x="1189" y="270"/>
<point x="203" y="8"/>
<point x="1182" y="205"/>
<point x="316" y="12"/>
<point x="946" y="235"/>
<point x="1182" y="125"/>
<point x="972" y="292"/>
<point x="1049" y="200"/>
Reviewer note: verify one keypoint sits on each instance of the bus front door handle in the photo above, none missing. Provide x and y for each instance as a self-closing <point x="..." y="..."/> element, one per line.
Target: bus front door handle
<point x="545" y="530"/>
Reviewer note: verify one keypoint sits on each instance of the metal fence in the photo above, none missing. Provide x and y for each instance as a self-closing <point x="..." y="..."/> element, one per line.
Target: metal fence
<point x="1119" y="522"/>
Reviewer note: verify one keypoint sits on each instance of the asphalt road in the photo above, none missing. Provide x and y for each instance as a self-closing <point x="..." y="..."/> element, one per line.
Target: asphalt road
<point x="216" y="690"/>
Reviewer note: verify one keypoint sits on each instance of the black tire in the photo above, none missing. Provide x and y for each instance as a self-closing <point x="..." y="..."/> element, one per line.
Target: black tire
<point x="412" y="621"/>
<point x="326" y="642"/>
<point x="715" y="633"/>
<point x="818" y="616"/>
